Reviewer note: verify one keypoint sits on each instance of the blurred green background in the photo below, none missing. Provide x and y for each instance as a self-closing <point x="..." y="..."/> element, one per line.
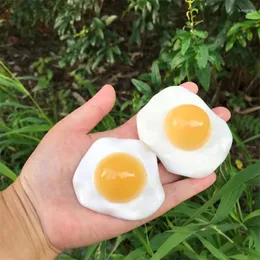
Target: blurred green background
<point x="55" y="55"/>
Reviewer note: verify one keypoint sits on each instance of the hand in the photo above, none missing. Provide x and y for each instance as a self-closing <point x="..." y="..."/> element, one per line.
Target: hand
<point x="47" y="176"/>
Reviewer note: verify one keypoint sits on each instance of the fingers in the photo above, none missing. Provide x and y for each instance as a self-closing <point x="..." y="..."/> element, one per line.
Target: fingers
<point x="191" y="87"/>
<point x="92" y="112"/>
<point x="167" y="177"/>
<point x="222" y="112"/>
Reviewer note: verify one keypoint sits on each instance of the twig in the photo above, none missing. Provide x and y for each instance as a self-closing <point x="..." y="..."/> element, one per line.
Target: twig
<point x="248" y="110"/>
<point x="251" y="85"/>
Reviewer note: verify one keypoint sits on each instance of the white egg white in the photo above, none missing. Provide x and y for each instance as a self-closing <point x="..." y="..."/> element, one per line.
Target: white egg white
<point x="197" y="163"/>
<point x="148" y="201"/>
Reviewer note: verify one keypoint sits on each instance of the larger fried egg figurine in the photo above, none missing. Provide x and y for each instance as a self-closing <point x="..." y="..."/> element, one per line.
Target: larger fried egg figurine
<point x="119" y="177"/>
<point x="188" y="138"/>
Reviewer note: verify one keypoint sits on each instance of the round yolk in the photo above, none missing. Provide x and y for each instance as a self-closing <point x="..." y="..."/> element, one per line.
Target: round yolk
<point x="120" y="177"/>
<point x="187" y="127"/>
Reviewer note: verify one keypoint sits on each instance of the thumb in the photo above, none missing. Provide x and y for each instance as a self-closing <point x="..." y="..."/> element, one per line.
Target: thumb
<point x="86" y="117"/>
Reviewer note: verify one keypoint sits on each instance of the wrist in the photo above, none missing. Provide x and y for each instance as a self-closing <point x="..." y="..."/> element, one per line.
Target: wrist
<point x="21" y="236"/>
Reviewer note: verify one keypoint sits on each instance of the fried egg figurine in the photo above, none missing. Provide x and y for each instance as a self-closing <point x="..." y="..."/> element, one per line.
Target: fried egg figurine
<point x="186" y="135"/>
<point x="119" y="177"/>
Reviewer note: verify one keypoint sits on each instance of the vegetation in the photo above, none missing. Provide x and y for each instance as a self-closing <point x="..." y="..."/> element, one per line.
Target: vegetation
<point x="61" y="51"/>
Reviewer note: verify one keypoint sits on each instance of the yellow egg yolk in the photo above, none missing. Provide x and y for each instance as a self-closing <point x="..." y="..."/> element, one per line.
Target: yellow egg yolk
<point x="120" y="177"/>
<point x="187" y="127"/>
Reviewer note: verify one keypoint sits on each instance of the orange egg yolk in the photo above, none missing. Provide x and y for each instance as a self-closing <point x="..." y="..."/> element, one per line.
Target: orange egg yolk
<point x="120" y="177"/>
<point x="187" y="127"/>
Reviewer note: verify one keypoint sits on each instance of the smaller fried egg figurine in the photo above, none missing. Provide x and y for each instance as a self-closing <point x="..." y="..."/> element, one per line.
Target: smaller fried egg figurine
<point x="119" y="177"/>
<point x="186" y="135"/>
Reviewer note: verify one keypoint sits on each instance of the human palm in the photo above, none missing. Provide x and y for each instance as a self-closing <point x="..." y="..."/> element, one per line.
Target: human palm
<point x="47" y="176"/>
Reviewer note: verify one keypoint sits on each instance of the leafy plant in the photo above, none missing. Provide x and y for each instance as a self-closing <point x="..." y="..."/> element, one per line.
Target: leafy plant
<point x="93" y="45"/>
<point x="241" y="32"/>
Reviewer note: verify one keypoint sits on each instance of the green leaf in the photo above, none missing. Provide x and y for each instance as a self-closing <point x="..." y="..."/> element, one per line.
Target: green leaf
<point x="212" y="2"/>
<point x="97" y="61"/>
<point x="253" y="214"/>
<point x="258" y="32"/>
<point x="8" y="82"/>
<point x="212" y="249"/>
<point x="179" y="59"/>
<point x="227" y="203"/>
<point x="256" y="237"/>
<point x="234" y="28"/>
<point x="110" y="19"/>
<point x="141" y="237"/>
<point x="100" y="253"/>
<point x="110" y="56"/>
<point x="185" y="44"/>
<point x="156" y="76"/>
<point x="252" y="253"/>
<point x="249" y="35"/>
<point x="4" y="170"/>
<point x="245" y="6"/>
<point x="116" y="50"/>
<point x="230" y="45"/>
<point x="253" y="222"/>
<point x="240" y="178"/>
<point x="203" y="255"/>
<point x="255" y="181"/>
<point x="253" y="15"/>
<point x="173" y="241"/>
<point x="137" y="254"/>
<point x="202" y="56"/>
<point x="142" y="86"/>
<point x="201" y="34"/>
<point x="229" y="4"/>
<point x="204" y="76"/>
<point x="242" y="41"/>
<point x="119" y="240"/>
<point x="158" y="240"/>
<point x="90" y="250"/>
<point x="99" y="23"/>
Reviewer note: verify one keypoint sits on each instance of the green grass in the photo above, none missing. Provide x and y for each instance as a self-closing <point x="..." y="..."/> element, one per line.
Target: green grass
<point x="223" y="222"/>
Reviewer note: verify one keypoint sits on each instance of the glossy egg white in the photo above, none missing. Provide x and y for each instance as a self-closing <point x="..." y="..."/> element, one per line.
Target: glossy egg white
<point x="148" y="201"/>
<point x="196" y="163"/>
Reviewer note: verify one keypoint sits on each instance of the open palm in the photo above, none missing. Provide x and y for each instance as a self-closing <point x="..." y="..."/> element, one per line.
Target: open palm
<point x="47" y="176"/>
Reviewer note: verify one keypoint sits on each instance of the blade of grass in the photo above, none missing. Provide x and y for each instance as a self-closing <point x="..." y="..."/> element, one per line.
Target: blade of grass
<point x="252" y="253"/>
<point x="212" y="249"/>
<point x="7" y="172"/>
<point x="20" y="87"/>
<point x="137" y="254"/>
<point x="242" y="177"/>
<point x="101" y="251"/>
<point x="29" y="129"/>
<point x="142" y="239"/>
<point x="227" y="203"/>
<point x="119" y="240"/>
<point x="253" y="214"/>
<point x="252" y="138"/>
<point x="90" y="251"/>
<point x="170" y="243"/>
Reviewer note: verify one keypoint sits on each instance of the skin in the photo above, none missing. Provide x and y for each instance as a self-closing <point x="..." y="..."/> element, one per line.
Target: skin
<point x="47" y="176"/>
